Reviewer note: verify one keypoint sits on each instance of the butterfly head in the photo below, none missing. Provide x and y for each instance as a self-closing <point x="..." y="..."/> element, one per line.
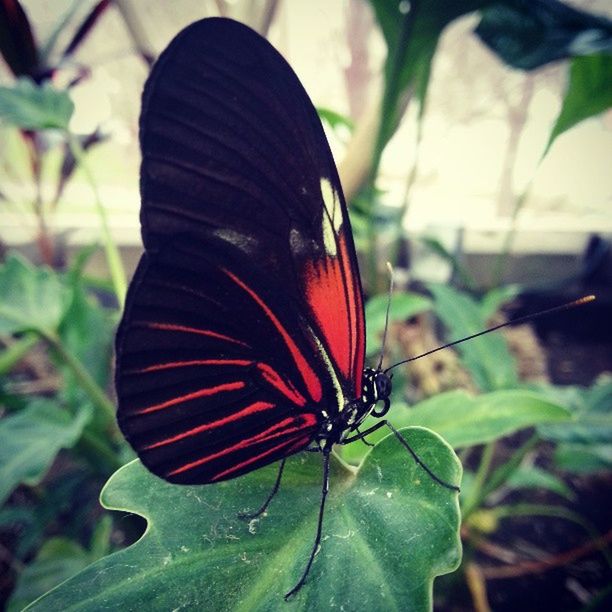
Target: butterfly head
<point x="377" y="388"/>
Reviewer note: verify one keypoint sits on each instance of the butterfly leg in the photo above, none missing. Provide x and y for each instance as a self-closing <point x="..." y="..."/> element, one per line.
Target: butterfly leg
<point x="362" y="438"/>
<point x="416" y="458"/>
<point x="405" y="444"/>
<point x="317" y="541"/>
<point x="251" y="515"/>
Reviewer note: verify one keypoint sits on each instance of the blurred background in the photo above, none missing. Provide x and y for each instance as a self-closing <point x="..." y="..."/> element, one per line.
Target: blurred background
<point x="473" y="141"/>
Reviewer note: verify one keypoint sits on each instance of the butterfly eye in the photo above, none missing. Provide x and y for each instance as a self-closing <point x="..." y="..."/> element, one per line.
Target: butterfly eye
<point x="383" y="385"/>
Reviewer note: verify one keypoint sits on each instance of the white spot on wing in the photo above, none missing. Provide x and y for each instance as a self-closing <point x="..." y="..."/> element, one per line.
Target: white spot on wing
<point x="332" y="217"/>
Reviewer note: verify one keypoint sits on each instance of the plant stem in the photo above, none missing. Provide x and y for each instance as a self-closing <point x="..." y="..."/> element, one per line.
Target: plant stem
<point x="476" y="497"/>
<point x="501" y="261"/>
<point x="501" y="512"/>
<point x="389" y="119"/>
<point x="115" y="265"/>
<point x="16" y="351"/>
<point x="99" y="399"/>
<point x="97" y="447"/>
<point x="501" y="475"/>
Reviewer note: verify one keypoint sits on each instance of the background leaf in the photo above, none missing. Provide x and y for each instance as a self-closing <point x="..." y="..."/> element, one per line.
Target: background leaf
<point x="411" y="31"/>
<point x="532" y="477"/>
<point x="527" y="34"/>
<point x="390" y="524"/>
<point x="404" y="305"/>
<point x="487" y="358"/>
<point x="30" y="298"/>
<point x="592" y="412"/>
<point x="29" y="106"/>
<point x="30" y="440"/>
<point x="87" y="331"/>
<point x="17" y="44"/>
<point x="464" y="420"/>
<point x="582" y="459"/>
<point x="57" y="560"/>
<point x="589" y="93"/>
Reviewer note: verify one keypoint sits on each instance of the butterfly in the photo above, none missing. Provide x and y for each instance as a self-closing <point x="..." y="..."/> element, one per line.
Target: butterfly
<point x="242" y="340"/>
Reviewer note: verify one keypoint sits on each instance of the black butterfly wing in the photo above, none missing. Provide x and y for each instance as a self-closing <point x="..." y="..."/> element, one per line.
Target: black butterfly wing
<point x="243" y="327"/>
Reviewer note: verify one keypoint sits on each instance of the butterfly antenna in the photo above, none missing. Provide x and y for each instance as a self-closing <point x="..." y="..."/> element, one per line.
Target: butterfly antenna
<point x="384" y="342"/>
<point x="579" y="302"/>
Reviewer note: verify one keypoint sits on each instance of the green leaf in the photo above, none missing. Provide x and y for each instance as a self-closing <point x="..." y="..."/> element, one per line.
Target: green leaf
<point x="29" y="106"/>
<point x="464" y="420"/>
<point x="411" y="31"/>
<point x="57" y="560"/>
<point x="87" y="332"/>
<point x="583" y="459"/>
<point x="437" y="246"/>
<point x="487" y="357"/>
<point x="30" y="298"/>
<point x="532" y="477"/>
<point x="334" y="119"/>
<point x="403" y="306"/>
<point x="30" y="440"/>
<point x="589" y="93"/>
<point x="592" y="412"/>
<point x="388" y="531"/>
<point x="530" y="34"/>
<point x="493" y="300"/>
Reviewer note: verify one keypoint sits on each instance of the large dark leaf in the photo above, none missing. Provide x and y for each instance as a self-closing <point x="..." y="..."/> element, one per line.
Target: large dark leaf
<point x="388" y="531"/>
<point x="17" y="41"/>
<point x="411" y="31"/>
<point x="530" y="33"/>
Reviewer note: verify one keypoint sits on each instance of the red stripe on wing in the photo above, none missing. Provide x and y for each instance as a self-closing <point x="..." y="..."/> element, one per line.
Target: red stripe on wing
<point x="279" y="429"/>
<point x="300" y="443"/>
<point x="233" y="386"/>
<point x="286" y="388"/>
<point x="308" y="375"/>
<point x="193" y="330"/>
<point x="185" y="364"/>
<point x="249" y="410"/>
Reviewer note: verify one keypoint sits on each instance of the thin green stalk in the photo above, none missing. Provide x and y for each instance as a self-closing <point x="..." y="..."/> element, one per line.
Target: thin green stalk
<point x="99" y="399"/>
<point x="403" y="210"/>
<point x="115" y="265"/>
<point x="99" y="450"/>
<point x="501" y="261"/>
<point x="16" y="351"/>
<point x="390" y="97"/>
<point x="501" y="474"/>
<point x="476" y="497"/>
